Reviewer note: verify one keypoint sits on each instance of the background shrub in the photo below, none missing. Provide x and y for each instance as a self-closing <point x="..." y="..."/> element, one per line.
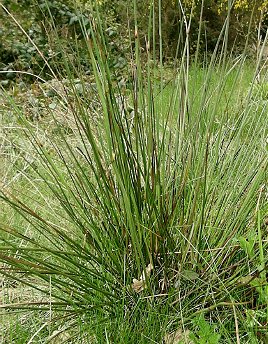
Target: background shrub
<point x="50" y="23"/>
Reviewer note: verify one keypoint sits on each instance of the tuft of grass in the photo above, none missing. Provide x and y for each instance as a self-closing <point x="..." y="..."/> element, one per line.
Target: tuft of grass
<point x="147" y="213"/>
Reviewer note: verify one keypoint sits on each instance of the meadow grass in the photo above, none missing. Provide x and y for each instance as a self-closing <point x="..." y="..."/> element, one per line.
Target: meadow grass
<point x="137" y="213"/>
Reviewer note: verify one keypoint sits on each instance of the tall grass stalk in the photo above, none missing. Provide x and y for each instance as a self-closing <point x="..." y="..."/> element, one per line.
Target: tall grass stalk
<point x="174" y="184"/>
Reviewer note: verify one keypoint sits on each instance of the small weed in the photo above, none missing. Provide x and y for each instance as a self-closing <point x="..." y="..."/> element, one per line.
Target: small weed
<point x="204" y="333"/>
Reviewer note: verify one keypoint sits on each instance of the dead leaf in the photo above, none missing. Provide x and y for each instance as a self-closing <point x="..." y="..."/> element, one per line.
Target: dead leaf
<point x="178" y="337"/>
<point x="147" y="272"/>
<point x="139" y="285"/>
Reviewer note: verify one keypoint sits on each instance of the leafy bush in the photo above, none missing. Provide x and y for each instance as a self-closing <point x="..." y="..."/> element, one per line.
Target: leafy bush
<point x="50" y="24"/>
<point x="40" y="18"/>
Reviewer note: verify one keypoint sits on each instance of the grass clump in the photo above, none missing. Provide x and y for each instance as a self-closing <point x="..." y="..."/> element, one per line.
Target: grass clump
<point x="146" y="216"/>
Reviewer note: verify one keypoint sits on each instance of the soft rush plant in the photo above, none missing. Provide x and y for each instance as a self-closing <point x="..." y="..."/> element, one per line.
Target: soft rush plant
<point x="155" y="194"/>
